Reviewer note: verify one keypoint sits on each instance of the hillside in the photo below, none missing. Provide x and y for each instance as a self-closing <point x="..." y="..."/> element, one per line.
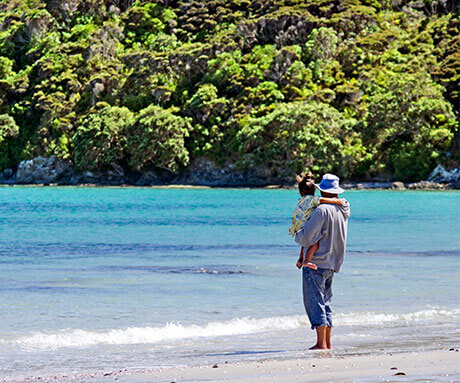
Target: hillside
<point x="363" y="88"/>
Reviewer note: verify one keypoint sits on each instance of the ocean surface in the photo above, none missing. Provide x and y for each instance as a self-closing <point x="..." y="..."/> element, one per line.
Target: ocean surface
<point x="103" y="279"/>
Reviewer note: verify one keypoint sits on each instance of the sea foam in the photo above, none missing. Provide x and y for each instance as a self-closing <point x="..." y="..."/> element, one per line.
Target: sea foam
<point x="237" y="326"/>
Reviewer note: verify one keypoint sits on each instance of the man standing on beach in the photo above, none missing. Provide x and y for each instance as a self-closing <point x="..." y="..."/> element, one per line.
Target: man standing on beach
<point x="327" y="226"/>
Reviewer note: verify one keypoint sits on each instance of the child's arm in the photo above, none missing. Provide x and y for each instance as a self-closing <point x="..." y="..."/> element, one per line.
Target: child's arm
<point x="333" y="201"/>
<point x="309" y="255"/>
<point x="300" y="260"/>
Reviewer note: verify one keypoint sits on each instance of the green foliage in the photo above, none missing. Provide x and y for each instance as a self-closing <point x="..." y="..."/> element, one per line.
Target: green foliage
<point x="259" y="61"/>
<point x="409" y="124"/>
<point x="157" y="139"/>
<point x="100" y="139"/>
<point x="321" y="45"/>
<point x="265" y="94"/>
<point x="225" y="71"/>
<point x="364" y="88"/>
<point x="207" y="110"/>
<point x="144" y="22"/>
<point x="8" y="127"/>
<point x="6" y="67"/>
<point x="8" y="130"/>
<point x="293" y="137"/>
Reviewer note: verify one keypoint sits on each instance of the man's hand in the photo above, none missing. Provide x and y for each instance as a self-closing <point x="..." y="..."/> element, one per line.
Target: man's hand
<point x="310" y="265"/>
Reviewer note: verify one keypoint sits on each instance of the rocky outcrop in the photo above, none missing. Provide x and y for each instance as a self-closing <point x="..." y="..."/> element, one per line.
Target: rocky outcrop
<point x="110" y="177"/>
<point x="205" y="172"/>
<point x="426" y="185"/>
<point x="147" y="179"/>
<point x="7" y="177"/>
<point x="201" y="172"/>
<point x="366" y="185"/>
<point x="397" y="185"/>
<point x="44" y="170"/>
<point x="52" y="170"/>
<point x="440" y="174"/>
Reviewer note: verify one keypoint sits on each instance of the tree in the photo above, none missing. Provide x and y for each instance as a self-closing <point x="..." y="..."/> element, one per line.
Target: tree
<point x="100" y="140"/>
<point x="157" y="139"/>
<point x="208" y="111"/>
<point x="8" y="130"/>
<point x="409" y="125"/>
<point x="294" y="137"/>
<point x="8" y="127"/>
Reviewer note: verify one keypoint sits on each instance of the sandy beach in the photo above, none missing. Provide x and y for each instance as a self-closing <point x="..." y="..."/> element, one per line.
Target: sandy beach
<point x="316" y="367"/>
<point x="436" y="366"/>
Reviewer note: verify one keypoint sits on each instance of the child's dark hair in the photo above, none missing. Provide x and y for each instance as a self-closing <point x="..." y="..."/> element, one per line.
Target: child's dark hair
<point x="306" y="184"/>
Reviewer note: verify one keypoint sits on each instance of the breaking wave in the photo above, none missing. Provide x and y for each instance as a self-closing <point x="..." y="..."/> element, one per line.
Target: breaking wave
<point x="237" y="326"/>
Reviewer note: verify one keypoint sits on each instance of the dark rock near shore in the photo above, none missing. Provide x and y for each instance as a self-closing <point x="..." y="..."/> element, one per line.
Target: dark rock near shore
<point x="366" y="185"/>
<point x="454" y="185"/>
<point x="441" y="174"/>
<point x="8" y="177"/>
<point x="146" y="179"/>
<point x="52" y="170"/>
<point x="398" y="186"/>
<point x="426" y="185"/>
<point x="204" y="172"/>
<point x="109" y="178"/>
<point x="7" y="174"/>
<point x="201" y="172"/>
<point x="44" y="170"/>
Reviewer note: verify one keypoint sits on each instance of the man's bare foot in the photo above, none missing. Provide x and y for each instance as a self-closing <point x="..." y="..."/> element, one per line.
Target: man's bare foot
<point x="316" y="347"/>
<point x="310" y="265"/>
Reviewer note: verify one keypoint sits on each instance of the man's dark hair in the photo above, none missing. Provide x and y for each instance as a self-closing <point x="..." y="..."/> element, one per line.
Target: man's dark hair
<point x="306" y="184"/>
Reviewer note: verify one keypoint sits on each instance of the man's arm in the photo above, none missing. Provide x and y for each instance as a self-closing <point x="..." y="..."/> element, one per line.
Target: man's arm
<point x="312" y="230"/>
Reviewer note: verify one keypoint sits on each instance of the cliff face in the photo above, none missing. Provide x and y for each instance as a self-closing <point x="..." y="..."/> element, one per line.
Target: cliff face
<point x="255" y="90"/>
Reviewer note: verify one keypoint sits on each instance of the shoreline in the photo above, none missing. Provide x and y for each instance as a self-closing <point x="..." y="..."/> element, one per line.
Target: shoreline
<point x="364" y="185"/>
<point x="318" y="366"/>
<point x="41" y="171"/>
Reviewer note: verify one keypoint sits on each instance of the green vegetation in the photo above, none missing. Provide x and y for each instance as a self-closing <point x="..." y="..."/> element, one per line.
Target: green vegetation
<point x="363" y="88"/>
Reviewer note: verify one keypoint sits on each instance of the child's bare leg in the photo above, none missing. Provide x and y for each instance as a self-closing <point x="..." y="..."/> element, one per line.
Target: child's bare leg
<point x="309" y="255"/>
<point x="300" y="260"/>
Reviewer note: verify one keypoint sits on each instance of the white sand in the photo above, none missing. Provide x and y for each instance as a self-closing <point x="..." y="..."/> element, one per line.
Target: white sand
<point x="427" y="367"/>
<point x="432" y="366"/>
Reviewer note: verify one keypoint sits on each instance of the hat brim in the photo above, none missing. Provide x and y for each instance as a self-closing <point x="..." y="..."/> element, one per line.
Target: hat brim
<point x="338" y="190"/>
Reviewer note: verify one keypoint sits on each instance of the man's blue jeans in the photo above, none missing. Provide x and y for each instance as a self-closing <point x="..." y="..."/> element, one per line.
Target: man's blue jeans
<point x="317" y="294"/>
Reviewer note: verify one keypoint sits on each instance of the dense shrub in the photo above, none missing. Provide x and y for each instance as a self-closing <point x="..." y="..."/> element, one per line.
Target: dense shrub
<point x="100" y="140"/>
<point x="294" y="136"/>
<point x="8" y="130"/>
<point x="157" y="139"/>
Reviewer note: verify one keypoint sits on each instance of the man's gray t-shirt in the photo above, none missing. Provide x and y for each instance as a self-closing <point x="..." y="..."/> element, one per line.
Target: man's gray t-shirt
<point x="328" y="224"/>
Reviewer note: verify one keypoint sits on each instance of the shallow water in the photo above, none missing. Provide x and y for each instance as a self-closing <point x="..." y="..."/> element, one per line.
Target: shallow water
<point x="108" y="278"/>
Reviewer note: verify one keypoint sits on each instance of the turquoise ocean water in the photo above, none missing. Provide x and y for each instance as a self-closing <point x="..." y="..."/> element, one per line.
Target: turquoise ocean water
<point x="110" y="278"/>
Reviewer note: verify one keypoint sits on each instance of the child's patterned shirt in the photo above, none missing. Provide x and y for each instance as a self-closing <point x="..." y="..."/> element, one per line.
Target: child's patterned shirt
<point x="303" y="211"/>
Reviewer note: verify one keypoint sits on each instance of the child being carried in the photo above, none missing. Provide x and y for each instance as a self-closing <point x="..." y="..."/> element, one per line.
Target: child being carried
<point x="306" y="204"/>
